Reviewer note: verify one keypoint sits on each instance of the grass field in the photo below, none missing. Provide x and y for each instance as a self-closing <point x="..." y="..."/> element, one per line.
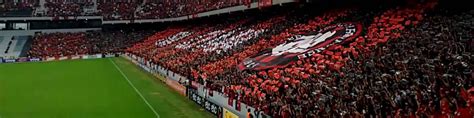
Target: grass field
<point x="100" y="88"/>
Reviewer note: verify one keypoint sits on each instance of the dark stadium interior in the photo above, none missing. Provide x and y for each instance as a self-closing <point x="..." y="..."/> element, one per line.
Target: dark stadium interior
<point x="411" y="58"/>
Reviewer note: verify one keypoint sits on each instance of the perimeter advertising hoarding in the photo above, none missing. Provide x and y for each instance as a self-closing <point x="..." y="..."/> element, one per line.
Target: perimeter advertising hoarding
<point x="75" y="57"/>
<point x="23" y="59"/>
<point x="63" y="58"/>
<point x="35" y="59"/>
<point x="10" y="60"/>
<point x="92" y="56"/>
<point x="109" y="55"/>
<point x="26" y="59"/>
<point x="50" y="59"/>
<point x="209" y="106"/>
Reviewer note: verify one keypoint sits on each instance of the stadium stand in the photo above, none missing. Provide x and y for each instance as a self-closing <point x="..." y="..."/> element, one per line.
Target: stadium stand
<point x="17" y="9"/>
<point x="12" y="46"/>
<point x="3" y="44"/>
<point x="390" y="61"/>
<point x="114" y="10"/>
<point x="284" y="92"/>
<point x="59" y="44"/>
<point x="166" y="9"/>
<point x="117" y="10"/>
<point x="55" y="8"/>
<point x="96" y="42"/>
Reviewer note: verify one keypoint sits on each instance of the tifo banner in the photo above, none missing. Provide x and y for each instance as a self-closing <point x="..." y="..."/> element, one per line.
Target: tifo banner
<point x="301" y="46"/>
<point x="265" y="3"/>
<point x="229" y="114"/>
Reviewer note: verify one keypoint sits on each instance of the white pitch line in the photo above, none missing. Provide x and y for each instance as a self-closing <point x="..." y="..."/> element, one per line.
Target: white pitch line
<point x="135" y="88"/>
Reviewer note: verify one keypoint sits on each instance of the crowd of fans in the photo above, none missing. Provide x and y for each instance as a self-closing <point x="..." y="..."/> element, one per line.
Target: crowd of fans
<point x="74" y="44"/>
<point x="396" y="68"/>
<point x="59" y="44"/>
<point x="9" y="6"/>
<point x="117" y="10"/>
<point x="124" y="10"/>
<point x="115" y="41"/>
<point x="409" y="60"/>
<point x="427" y="71"/>
<point x="161" y="9"/>
<point x="165" y="9"/>
<point x="317" y="86"/>
<point x="63" y="8"/>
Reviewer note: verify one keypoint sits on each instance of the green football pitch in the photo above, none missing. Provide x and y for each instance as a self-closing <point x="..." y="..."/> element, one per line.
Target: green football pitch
<point x="99" y="88"/>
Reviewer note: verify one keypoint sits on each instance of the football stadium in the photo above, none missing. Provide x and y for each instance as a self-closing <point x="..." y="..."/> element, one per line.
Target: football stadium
<point x="236" y="59"/>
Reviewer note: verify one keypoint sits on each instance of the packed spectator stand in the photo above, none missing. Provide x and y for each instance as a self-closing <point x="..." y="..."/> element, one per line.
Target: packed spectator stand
<point x="166" y="9"/>
<point x="56" y="8"/>
<point x="116" y="9"/>
<point x="22" y="8"/>
<point x="409" y="60"/>
<point x="95" y="42"/>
